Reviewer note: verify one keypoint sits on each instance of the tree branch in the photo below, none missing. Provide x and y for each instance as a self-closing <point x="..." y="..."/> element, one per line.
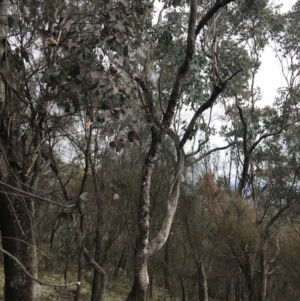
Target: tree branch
<point x="183" y="69"/>
<point x="201" y="143"/>
<point x="212" y="151"/>
<point x="159" y="240"/>
<point x="219" y="4"/>
<point x="27" y="194"/>
<point x="98" y="269"/>
<point x="218" y="89"/>
<point x="33" y="278"/>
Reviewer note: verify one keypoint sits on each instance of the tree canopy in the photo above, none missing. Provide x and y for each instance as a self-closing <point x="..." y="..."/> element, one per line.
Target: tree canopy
<point x="136" y="148"/>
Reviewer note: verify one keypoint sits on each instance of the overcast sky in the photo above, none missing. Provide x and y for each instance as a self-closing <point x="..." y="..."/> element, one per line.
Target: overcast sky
<point x="269" y="77"/>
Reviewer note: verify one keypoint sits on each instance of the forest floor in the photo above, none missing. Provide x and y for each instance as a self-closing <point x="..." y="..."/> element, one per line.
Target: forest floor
<point x="66" y="294"/>
<point x="116" y="291"/>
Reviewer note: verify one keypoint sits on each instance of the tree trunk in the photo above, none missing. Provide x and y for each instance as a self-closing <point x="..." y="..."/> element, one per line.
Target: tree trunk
<point x="121" y="263"/>
<point x="97" y="280"/>
<point x="249" y="273"/>
<point x="252" y="291"/>
<point x="16" y="214"/>
<point x="228" y="292"/>
<point x="141" y="278"/>
<point x="237" y="290"/>
<point x="264" y="273"/>
<point x="182" y="289"/>
<point x="18" y="239"/>
<point x="203" y="289"/>
<point x="100" y="271"/>
<point x="151" y="286"/>
<point x="167" y="266"/>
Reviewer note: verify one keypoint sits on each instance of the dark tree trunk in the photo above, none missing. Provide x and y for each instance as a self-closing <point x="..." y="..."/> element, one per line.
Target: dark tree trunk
<point x="167" y="266"/>
<point x="141" y="278"/>
<point x="237" y="290"/>
<point x="100" y="277"/>
<point x="100" y="271"/>
<point x="18" y="239"/>
<point x="66" y="262"/>
<point x="264" y="272"/>
<point x="182" y="289"/>
<point x="228" y="292"/>
<point x="51" y="240"/>
<point x="120" y="262"/>
<point x="242" y="290"/>
<point x="97" y="280"/>
<point x="16" y="213"/>
<point x="151" y="286"/>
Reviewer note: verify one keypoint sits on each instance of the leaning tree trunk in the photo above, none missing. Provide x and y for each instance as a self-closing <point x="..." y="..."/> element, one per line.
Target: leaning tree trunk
<point x="145" y="248"/>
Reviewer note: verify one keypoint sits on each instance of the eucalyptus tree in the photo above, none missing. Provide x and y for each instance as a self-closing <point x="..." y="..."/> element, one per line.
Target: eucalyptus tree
<point x="262" y="157"/>
<point x="160" y="127"/>
<point x="92" y="73"/>
<point x="52" y="63"/>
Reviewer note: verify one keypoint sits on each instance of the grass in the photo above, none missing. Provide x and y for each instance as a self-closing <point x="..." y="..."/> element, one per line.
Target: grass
<point x="114" y="292"/>
<point x="117" y="290"/>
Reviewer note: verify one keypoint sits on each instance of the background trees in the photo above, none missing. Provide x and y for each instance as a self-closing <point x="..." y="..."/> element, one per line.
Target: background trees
<point x="106" y="127"/>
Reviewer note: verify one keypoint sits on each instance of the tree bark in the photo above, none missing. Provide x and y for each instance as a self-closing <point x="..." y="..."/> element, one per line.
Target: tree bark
<point x="228" y="292"/>
<point x="203" y="288"/>
<point x="16" y="214"/>
<point x="146" y="248"/>
<point x="98" y="279"/>
<point x="141" y="278"/>
<point x="182" y="289"/>
<point x="264" y="275"/>
<point x="100" y="271"/>
<point x="167" y="266"/>
<point x="18" y="239"/>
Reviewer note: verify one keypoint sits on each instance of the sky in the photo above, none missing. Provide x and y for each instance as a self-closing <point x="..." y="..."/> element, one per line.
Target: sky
<point x="269" y="66"/>
<point x="269" y="77"/>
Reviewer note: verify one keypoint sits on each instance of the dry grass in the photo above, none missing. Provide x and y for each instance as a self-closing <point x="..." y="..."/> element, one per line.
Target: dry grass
<point x="117" y="290"/>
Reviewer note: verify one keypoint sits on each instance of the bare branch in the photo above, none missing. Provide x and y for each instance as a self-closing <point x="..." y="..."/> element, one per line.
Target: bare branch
<point x="200" y="144"/>
<point x="211" y="151"/>
<point x="219" y="4"/>
<point x="98" y="269"/>
<point x="27" y="194"/>
<point x="218" y="89"/>
<point x="33" y="278"/>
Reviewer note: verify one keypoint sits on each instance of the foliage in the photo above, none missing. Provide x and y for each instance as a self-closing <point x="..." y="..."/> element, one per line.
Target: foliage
<point x="106" y="127"/>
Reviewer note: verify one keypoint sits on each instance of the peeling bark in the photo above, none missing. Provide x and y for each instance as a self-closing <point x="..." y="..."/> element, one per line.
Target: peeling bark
<point x="146" y="248"/>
